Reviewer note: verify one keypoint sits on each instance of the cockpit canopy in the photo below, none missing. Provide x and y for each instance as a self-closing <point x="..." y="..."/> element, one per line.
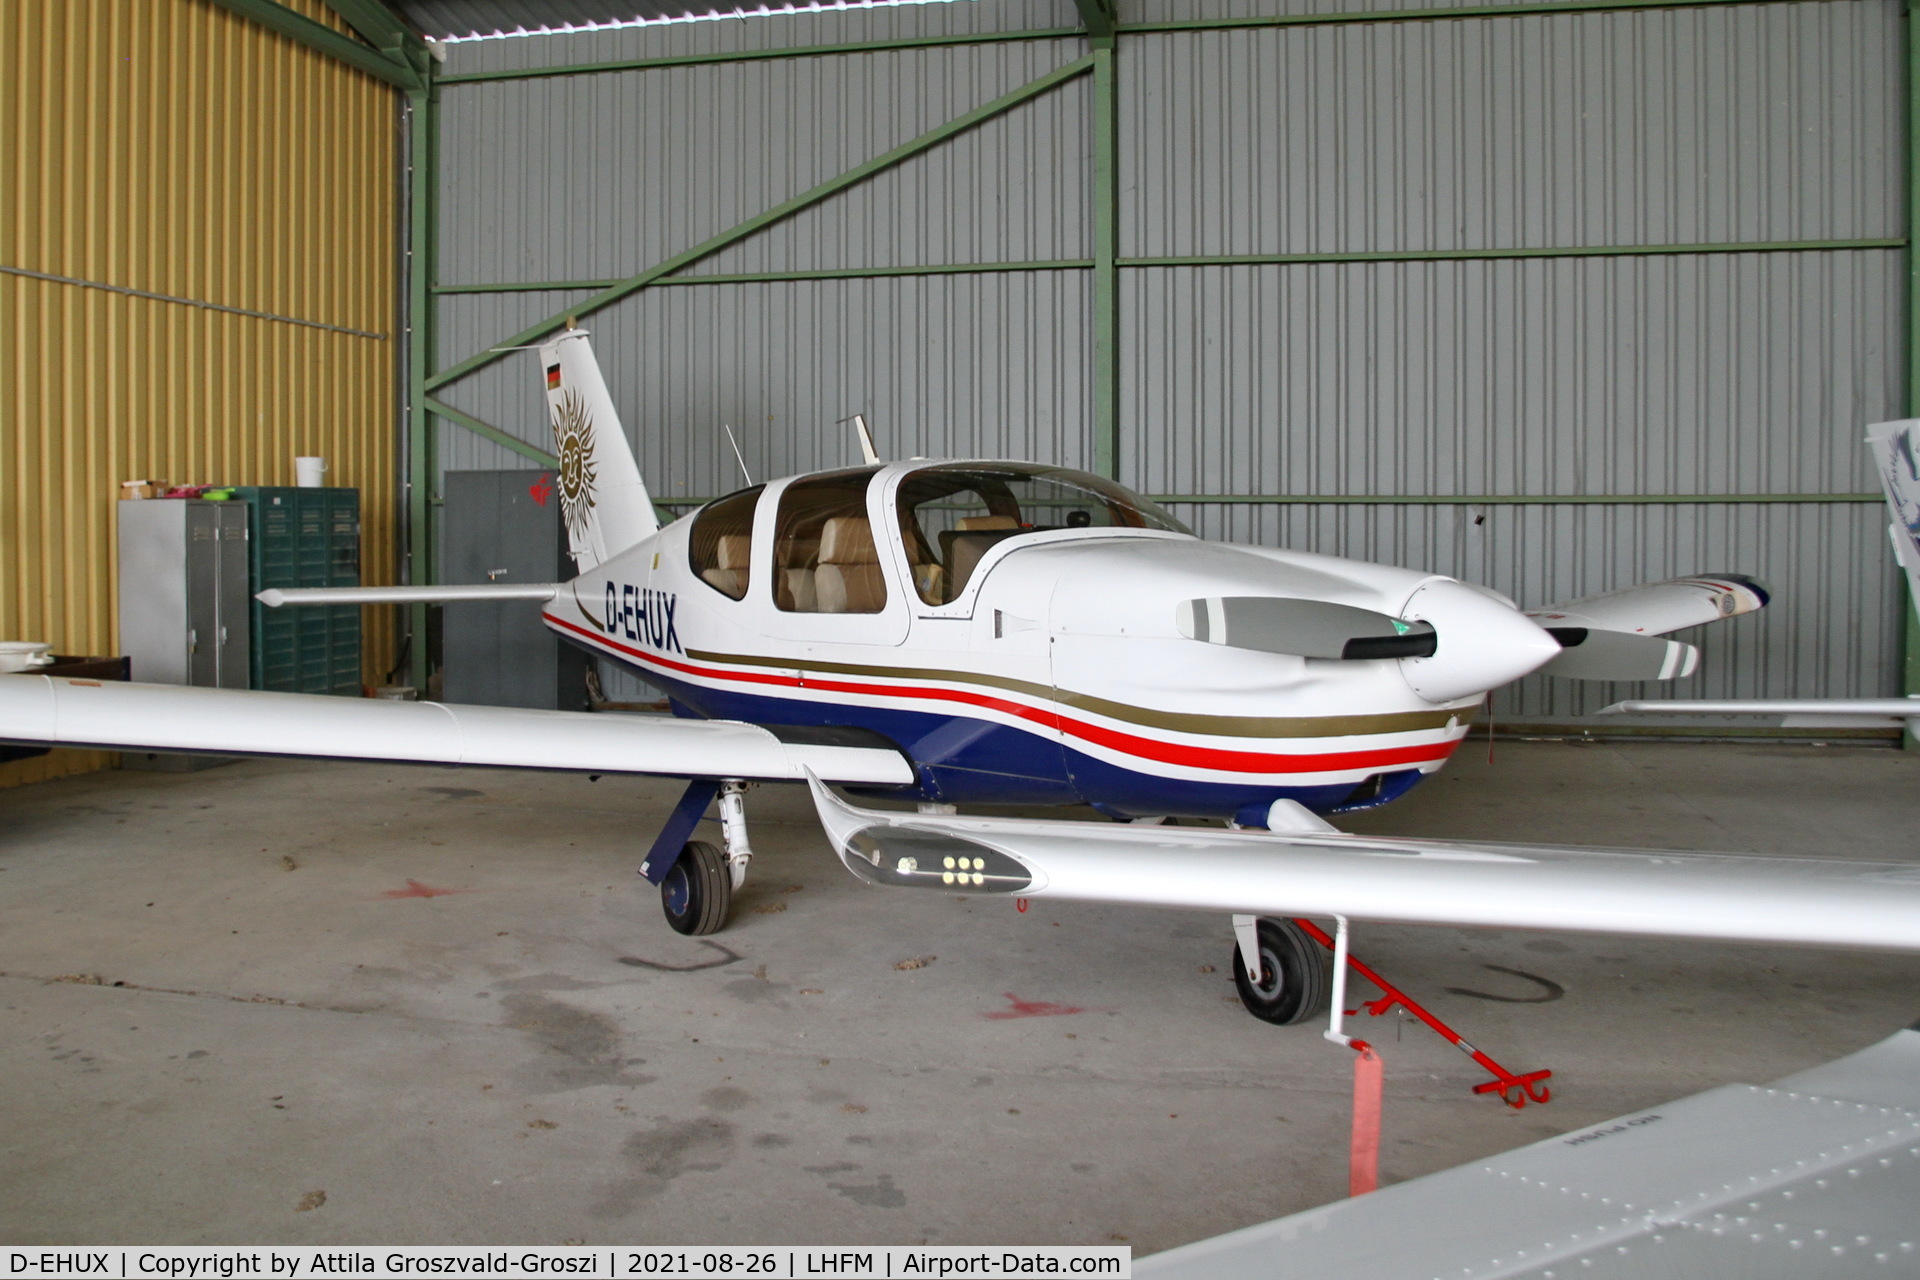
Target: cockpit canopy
<point x="952" y="514"/>
<point x="826" y="559"/>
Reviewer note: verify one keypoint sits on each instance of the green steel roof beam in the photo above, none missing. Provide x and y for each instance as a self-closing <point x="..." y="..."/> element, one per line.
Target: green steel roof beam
<point x="759" y="55"/>
<point x="324" y="39"/>
<point x="1335" y="18"/>
<point x="740" y="231"/>
<point x="388" y="32"/>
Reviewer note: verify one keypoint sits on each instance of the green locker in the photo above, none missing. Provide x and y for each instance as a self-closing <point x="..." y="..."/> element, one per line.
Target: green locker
<point x="304" y="538"/>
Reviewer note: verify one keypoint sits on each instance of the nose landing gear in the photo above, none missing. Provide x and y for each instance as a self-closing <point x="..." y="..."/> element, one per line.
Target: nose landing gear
<point x="1287" y="981"/>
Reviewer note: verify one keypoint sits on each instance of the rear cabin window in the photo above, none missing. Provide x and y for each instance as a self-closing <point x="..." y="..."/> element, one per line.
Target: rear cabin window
<point x="722" y="541"/>
<point x="824" y="554"/>
<point x="951" y="516"/>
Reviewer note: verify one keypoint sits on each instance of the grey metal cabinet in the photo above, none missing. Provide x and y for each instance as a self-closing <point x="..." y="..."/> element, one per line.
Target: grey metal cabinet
<point x="504" y="526"/>
<point x="183" y="591"/>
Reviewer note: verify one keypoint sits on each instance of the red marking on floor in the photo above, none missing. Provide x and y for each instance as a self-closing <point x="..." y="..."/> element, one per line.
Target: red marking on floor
<point x="1032" y="1008"/>
<point x="415" y="889"/>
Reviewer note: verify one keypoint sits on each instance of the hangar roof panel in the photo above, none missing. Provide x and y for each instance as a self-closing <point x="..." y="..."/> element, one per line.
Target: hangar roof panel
<point x="449" y="20"/>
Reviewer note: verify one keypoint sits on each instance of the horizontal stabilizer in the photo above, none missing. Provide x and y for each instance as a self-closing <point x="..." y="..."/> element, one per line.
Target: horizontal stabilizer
<point x="1302" y="872"/>
<point x="1589" y="654"/>
<point x="274" y="597"/>
<point x="1656" y="608"/>
<point x="50" y="711"/>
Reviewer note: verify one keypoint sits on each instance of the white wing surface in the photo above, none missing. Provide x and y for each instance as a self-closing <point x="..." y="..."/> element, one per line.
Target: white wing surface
<point x="1817" y="1175"/>
<point x="49" y="711"/>
<point x="1317" y="871"/>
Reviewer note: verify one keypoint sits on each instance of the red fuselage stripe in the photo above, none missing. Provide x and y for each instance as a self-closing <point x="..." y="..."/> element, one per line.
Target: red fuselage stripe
<point x="1127" y="743"/>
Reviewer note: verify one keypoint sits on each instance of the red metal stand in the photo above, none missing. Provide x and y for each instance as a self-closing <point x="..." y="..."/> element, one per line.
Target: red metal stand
<point x="1515" y="1091"/>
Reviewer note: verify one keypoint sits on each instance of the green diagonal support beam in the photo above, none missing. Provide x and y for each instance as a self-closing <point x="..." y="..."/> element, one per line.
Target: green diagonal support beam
<point x="733" y="235"/>
<point x="493" y="433"/>
<point x="324" y="39"/>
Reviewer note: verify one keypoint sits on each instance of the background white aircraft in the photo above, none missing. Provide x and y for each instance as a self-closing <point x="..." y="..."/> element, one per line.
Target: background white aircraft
<point x="1895" y="447"/>
<point x="1815" y="1175"/>
<point x="963" y="632"/>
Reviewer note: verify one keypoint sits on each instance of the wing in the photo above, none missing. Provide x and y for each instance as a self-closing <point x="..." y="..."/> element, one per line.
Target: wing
<point x="1316" y="870"/>
<point x="1815" y="1176"/>
<point x="48" y="711"/>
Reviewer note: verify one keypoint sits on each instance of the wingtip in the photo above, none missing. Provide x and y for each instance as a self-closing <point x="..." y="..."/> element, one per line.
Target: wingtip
<point x="271" y="597"/>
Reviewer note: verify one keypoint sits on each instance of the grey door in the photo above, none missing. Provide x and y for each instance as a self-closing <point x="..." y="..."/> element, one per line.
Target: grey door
<point x="232" y="602"/>
<point x="203" y="594"/>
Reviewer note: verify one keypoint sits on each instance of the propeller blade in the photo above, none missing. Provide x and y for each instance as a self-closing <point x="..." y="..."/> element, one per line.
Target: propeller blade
<point x="1588" y="653"/>
<point x="1303" y="628"/>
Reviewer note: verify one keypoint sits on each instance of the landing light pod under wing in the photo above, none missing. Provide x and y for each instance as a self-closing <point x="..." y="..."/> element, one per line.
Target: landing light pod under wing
<point x="1313" y="870"/>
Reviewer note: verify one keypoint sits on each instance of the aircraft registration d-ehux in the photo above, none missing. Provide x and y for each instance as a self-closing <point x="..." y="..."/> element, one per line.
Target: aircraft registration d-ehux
<point x="980" y="632"/>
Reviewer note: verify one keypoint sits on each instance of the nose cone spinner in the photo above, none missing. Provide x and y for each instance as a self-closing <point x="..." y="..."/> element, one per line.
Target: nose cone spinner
<point x="1482" y="643"/>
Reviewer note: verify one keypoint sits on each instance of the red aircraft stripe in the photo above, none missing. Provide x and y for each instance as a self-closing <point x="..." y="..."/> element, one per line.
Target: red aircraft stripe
<point x="1126" y="743"/>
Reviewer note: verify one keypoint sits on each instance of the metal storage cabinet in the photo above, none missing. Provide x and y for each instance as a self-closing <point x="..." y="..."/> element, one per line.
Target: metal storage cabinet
<point x="504" y="526"/>
<point x="304" y="538"/>
<point x="183" y="591"/>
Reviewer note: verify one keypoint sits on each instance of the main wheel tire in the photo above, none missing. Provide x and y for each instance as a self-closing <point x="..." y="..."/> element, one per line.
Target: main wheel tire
<point x="1292" y="984"/>
<point x="698" y="891"/>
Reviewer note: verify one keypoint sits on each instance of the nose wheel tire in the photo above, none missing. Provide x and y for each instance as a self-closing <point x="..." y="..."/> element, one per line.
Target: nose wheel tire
<point x="697" y="894"/>
<point x="1291" y="986"/>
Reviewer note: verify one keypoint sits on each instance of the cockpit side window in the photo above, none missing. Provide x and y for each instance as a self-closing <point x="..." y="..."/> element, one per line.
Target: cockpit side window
<point x="951" y="516"/>
<point x="825" y="557"/>
<point x="722" y="541"/>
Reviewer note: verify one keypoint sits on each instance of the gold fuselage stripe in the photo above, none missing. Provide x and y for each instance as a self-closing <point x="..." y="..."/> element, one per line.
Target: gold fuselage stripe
<point x="1178" y="722"/>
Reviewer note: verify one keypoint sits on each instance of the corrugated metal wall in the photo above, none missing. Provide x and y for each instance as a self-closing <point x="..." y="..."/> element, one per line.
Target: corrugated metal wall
<point x="1644" y="376"/>
<point x="175" y="149"/>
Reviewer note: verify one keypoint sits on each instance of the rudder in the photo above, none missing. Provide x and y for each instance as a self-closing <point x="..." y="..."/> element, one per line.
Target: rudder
<point x="605" y="502"/>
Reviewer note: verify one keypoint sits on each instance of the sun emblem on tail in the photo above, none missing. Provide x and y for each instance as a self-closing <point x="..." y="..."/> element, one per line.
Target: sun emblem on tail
<point x="573" y="432"/>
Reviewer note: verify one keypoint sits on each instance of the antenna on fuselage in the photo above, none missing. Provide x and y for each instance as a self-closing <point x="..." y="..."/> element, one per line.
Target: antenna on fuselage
<point x="748" y="475"/>
<point x="867" y="455"/>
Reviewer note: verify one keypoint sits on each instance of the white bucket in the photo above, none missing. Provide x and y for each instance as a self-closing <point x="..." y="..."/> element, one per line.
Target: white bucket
<point x="309" y="473"/>
<point x="24" y="655"/>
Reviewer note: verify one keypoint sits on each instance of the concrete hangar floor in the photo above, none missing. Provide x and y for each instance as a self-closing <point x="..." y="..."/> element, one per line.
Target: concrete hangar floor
<point x="291" y="1002"/>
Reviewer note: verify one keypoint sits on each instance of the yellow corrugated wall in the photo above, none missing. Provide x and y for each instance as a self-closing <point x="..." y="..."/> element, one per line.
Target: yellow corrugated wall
<point x="176" y="148"/>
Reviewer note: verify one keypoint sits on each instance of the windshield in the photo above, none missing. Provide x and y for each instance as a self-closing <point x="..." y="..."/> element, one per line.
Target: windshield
<point x="951" y="516"/>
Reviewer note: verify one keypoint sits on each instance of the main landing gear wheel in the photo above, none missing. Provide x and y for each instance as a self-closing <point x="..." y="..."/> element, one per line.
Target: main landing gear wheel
<point x="1292" y="984"/>
<point x="698" y="891"/>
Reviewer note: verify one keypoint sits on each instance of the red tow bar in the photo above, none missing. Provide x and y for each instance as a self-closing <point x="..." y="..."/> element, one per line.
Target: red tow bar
<point x="1514" y="1090"/>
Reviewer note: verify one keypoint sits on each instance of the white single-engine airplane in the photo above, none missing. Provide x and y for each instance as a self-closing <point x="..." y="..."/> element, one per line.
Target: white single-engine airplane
<point x="1895" y="448"/>
<point x="967" y="632"/>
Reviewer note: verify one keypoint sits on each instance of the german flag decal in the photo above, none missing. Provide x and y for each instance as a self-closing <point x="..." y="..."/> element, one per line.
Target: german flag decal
<point x="553" y="377"/>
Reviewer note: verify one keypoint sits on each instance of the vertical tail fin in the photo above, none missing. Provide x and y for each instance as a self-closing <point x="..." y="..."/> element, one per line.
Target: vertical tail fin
<point x="605" y="502"/>
<point x="1896" y="456"/>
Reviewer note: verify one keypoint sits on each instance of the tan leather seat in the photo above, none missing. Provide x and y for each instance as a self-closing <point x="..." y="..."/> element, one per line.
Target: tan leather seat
<point x="930" y="580"/>
<point x="797" y="557"/>
<point x="848" y="579"/>
<point x="731" y="554"/>
<point x="963" y="548"/>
